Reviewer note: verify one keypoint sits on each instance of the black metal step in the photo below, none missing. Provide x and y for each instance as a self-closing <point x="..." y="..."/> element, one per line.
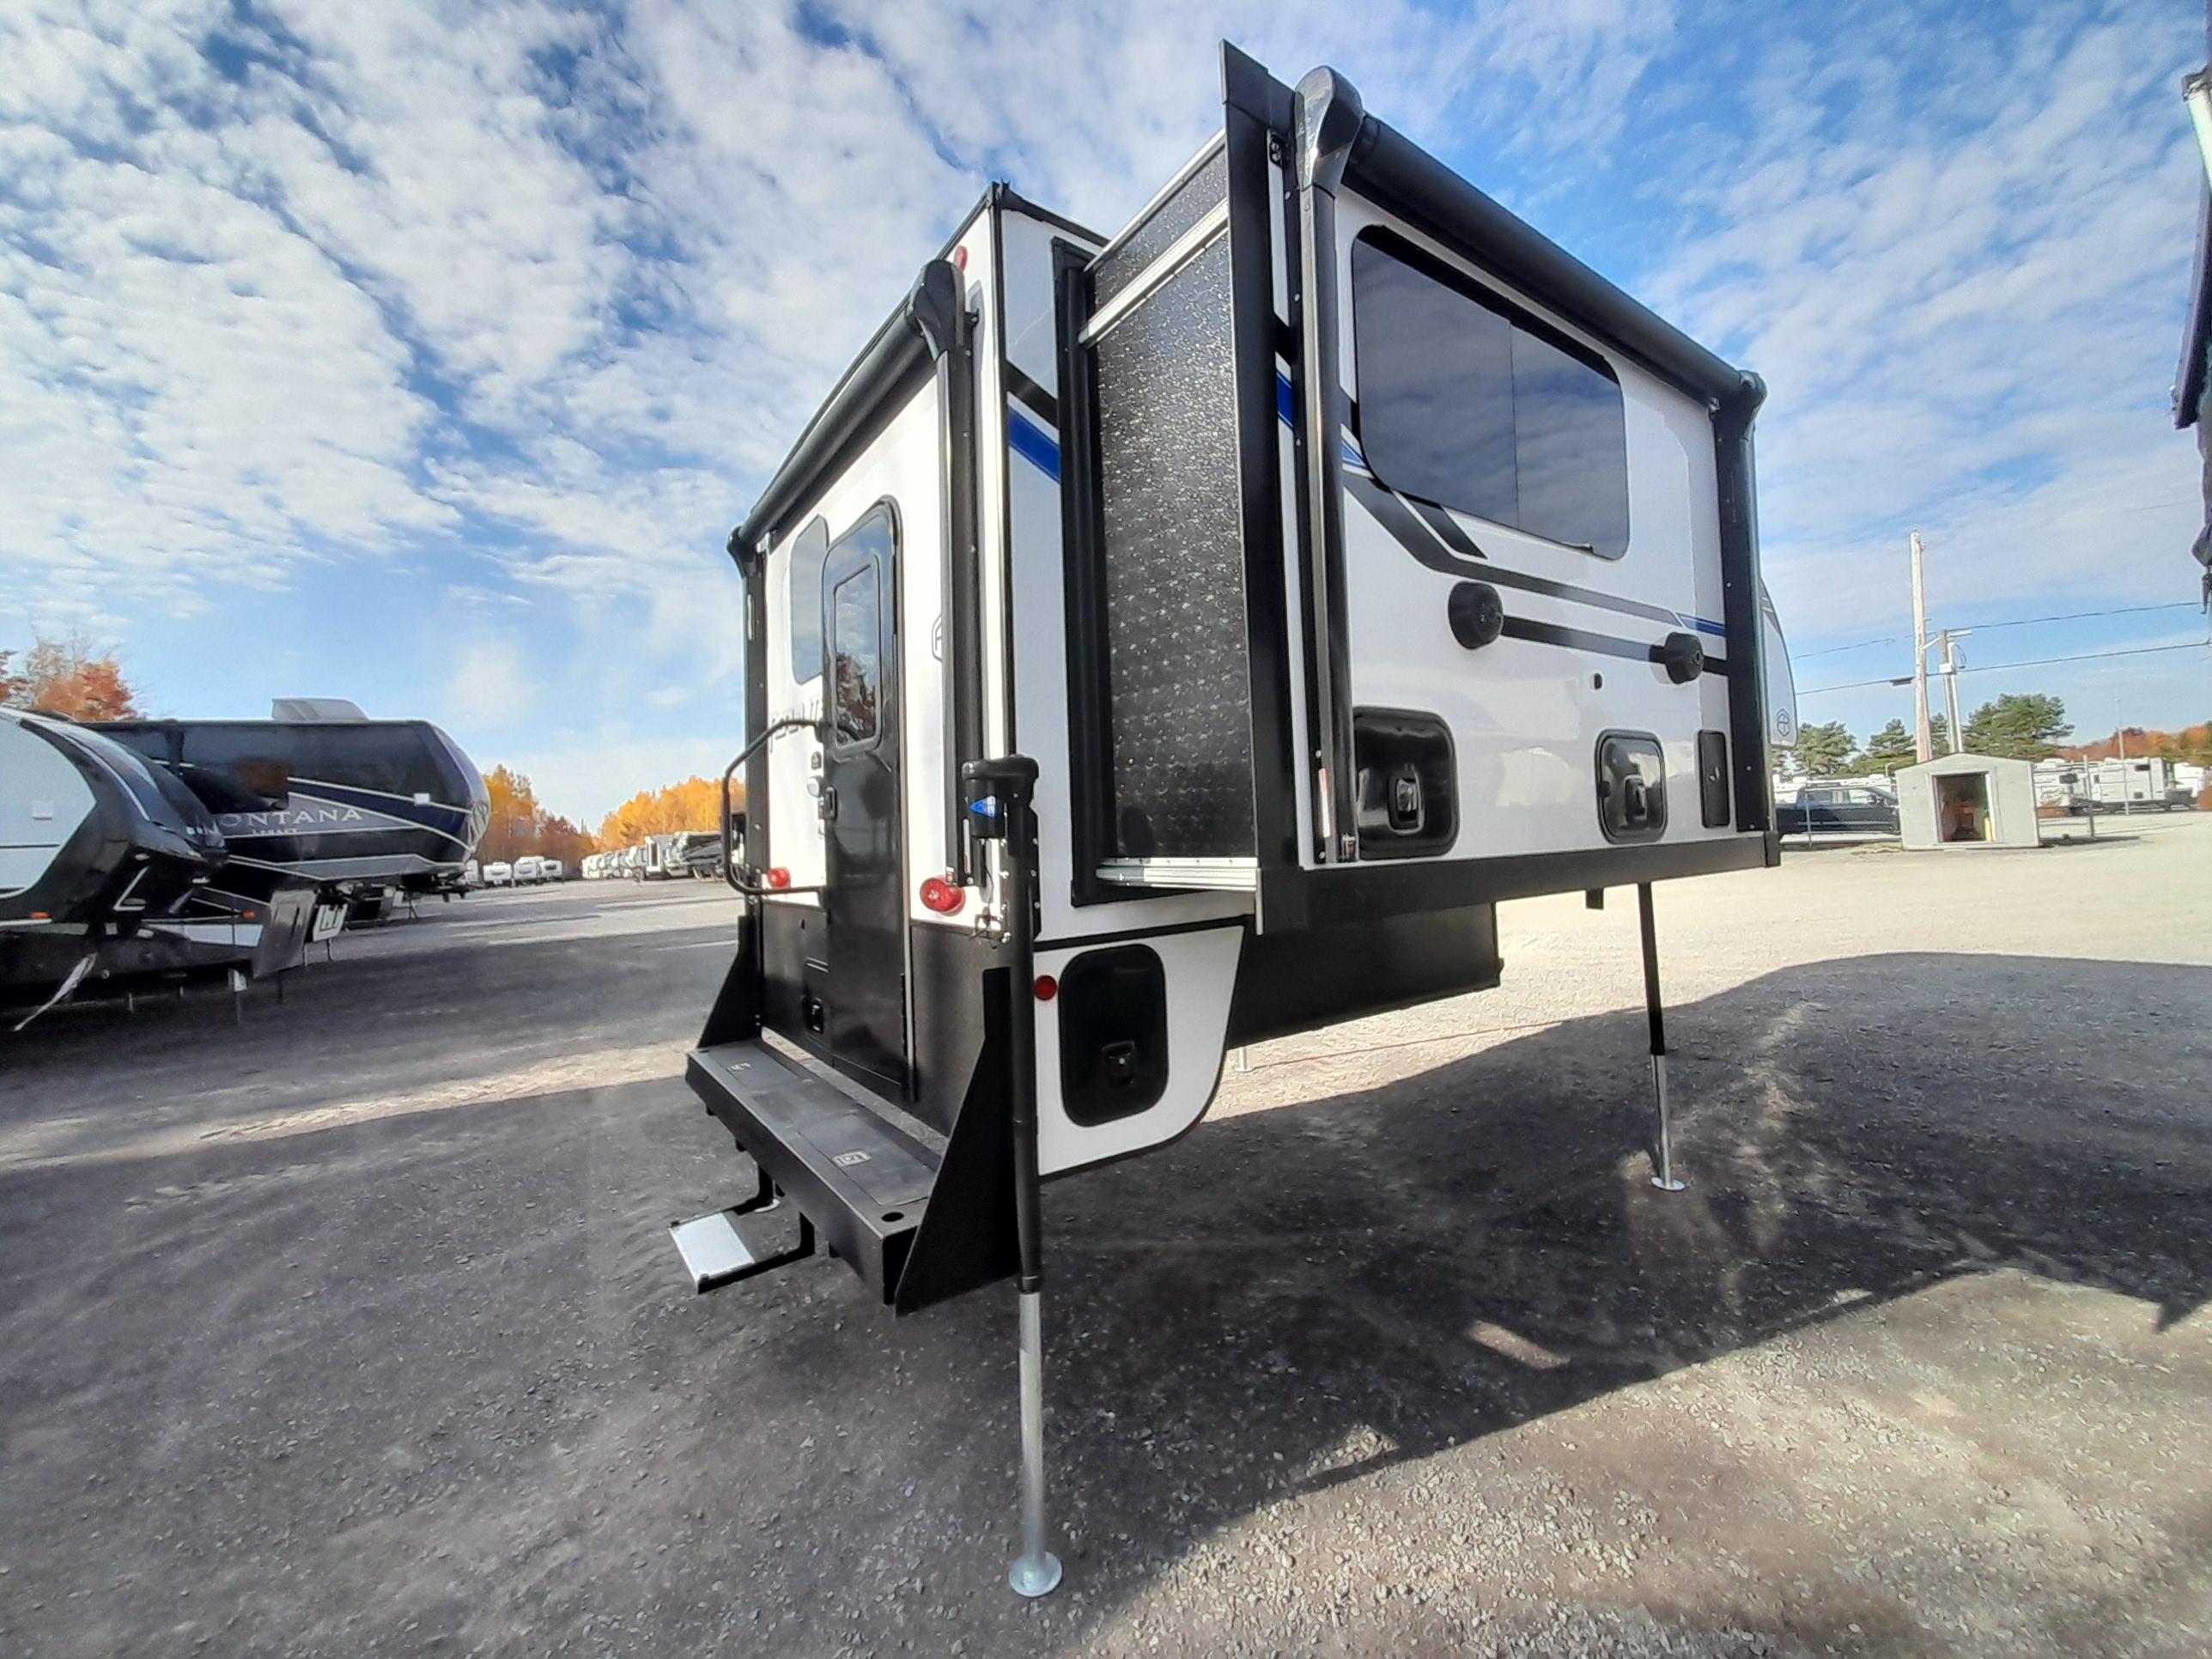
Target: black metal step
<point x="860" y="1179"/>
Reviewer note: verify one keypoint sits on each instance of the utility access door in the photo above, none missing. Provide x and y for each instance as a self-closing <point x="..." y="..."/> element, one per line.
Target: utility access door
<point x="864" y="1005"/>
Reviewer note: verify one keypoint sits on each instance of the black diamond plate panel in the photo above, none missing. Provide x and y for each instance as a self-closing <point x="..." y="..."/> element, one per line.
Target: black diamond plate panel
<point x="1201" y="193"/>
<point x="1179" y="682"/>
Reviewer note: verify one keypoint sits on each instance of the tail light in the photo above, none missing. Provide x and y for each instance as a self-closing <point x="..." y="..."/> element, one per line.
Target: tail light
<point x="941" y="897"/>
<point x="779" y="878"/>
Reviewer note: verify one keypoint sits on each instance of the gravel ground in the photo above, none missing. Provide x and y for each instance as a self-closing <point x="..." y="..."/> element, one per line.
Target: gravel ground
<point x="354" y="1327"/>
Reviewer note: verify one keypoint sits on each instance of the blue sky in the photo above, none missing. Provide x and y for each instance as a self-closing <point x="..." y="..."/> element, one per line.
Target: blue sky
<point x="425" y="355"/>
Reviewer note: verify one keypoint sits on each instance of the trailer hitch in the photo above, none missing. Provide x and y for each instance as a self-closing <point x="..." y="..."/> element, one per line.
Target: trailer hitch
<point x="751" y="890"/>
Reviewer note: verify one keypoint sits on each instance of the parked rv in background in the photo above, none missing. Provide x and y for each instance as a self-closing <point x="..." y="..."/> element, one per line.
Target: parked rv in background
<point x="240" y="841"/>
<point x="499" y="874"/>
<point x="102" y="858"/>
<point x="320" y="799"/>
<point x="2145" y="785"/>
<point x="697" y="852"/>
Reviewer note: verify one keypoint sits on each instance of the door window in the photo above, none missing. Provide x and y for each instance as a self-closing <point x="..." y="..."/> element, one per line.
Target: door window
<point x="856" y="656"/>
<point x="807" y="554"/>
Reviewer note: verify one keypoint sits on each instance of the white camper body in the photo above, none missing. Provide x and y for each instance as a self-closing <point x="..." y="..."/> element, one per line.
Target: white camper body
<point x="1338" y="557"/>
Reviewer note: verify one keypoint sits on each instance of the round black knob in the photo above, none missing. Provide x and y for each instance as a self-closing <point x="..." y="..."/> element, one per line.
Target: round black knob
<point x="1477" y="614"/>
<point x="1685" y="657"/>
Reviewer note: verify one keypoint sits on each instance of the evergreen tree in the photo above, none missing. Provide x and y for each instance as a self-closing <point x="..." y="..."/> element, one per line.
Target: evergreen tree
<point x="2026" y="725"/>
<point x="1889" y="749"/>
<point x="1823" y="749"/>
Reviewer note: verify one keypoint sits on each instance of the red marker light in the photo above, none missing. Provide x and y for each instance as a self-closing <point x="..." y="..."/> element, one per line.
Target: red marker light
<point x="960" y="259"/>
<point x="1047" y="987"/>
<point x="942" y="896"/>
<point x="779" y="878"/>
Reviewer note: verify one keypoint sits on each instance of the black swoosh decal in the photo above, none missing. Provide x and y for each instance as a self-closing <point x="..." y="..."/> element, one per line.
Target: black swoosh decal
<point x="1399" y="517"/>
<point x="1031" y="395"/>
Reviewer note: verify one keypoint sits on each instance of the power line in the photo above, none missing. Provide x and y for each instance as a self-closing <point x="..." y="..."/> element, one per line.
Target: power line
<point x="2031" y="662"/>
<point x="1831" y="650"/>
<point x="1982" y="628"/>
<point x="2073" y="616"/>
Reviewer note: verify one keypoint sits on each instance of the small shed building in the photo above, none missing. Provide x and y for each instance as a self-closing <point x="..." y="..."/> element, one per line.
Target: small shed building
<point x="1966" y="800"/>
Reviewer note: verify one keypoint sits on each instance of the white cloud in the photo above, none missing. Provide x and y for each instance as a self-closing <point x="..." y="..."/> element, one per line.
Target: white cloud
<point x="1963" y="288"/>
<point x="490" y="689"/>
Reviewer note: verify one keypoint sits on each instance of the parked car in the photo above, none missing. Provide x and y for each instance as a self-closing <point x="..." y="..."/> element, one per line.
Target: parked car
<point x="498" y="875"/>
<point x="1842" y="809"/>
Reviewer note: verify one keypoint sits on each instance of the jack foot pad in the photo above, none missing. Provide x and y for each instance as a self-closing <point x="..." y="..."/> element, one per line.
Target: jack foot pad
<point x="1034" y="1575"/>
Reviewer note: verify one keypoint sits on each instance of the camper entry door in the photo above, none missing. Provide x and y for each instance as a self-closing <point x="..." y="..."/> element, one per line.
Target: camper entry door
<point x="865" y="1002"/>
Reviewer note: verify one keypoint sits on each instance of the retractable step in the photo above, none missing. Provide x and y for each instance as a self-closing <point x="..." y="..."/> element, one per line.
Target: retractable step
<point x="859" y="1178"/>
<point x="736" y="1244"/>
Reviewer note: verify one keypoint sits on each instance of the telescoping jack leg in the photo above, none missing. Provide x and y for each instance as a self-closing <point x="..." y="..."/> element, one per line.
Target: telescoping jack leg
<point x="1662" y="1155"/>
<point x="1036" y="1571"/>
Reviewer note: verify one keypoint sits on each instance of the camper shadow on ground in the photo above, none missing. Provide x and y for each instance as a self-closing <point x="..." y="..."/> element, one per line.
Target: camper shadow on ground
<point x="1405" y="1269"/>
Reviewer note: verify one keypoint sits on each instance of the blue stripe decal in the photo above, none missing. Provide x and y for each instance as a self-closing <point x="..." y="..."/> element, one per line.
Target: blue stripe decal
<point x="1283" y="407"/>
<point x="1705" y="625"/>
<point x="1033" y="445"/>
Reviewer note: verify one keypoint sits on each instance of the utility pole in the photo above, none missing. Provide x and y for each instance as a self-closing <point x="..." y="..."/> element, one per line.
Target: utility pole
<point x="1924" y="738"/>
<point x="1951" y="694"/>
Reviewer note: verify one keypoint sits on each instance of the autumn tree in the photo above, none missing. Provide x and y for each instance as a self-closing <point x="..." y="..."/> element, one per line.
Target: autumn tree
<point x="2192" y="744"/>
<point x="70" y="677"/>
<point x="693" y="804"/>
<point x="558" y="838"/>
<point x="512" y="828"/>
<point x="520" y="826"/>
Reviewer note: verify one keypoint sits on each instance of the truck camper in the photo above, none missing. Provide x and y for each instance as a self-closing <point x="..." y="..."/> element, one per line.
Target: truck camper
<point x="1162" y="642"/>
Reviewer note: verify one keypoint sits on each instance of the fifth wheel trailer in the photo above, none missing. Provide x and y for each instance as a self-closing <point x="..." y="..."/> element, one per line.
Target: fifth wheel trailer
<point x="1162" y="642"/>
<point x="106" y="861"/>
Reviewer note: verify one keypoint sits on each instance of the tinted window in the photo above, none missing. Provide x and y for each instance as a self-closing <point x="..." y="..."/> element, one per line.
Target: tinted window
<point x="1467" y="401"/>
<point x="856" y="646"/>
<point x="807" y="553"/>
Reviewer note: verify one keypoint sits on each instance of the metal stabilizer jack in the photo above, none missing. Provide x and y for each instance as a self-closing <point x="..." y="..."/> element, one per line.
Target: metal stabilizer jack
<point x="1662" y="1154"/>
<point x="998" y="793"/>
